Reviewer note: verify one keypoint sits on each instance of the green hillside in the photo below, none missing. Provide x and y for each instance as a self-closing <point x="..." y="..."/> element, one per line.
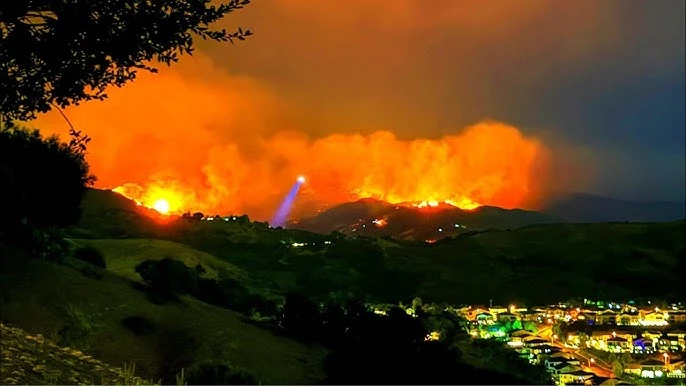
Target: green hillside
<point x="87" y="313"/>
<point x="549" y="262"/>
<point x="31" y="359"/>
<point x="93" y="312"/>
<point x="539" y="263"/>
<point x="122" y="256"/>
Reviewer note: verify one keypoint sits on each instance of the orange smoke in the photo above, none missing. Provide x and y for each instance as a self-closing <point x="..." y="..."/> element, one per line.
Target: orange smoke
<point x="201" y="140"/>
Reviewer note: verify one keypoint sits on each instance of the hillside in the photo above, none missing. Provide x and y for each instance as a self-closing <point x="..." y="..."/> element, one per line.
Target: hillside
<point x="122" y="256"/>
<point x="590" y="208"/>
<point x="544" y="263"/>
<point x="614" y="259"/>
<point x="31" y="359"/>
<point x="374" y="218"/>
<point x="77" y="310"/>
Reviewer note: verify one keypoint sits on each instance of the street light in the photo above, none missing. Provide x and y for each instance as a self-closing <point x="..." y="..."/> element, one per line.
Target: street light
<point x="591" y="362"/>
<point x="552" y="338"/>
<point x="666" y="356"/>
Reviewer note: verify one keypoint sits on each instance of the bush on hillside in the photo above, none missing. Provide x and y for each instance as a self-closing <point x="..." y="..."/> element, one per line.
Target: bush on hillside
<point x="178" y="348"/>
<point x="91" y="255"/>
<point x="218" y="373"/>
<point x="167" y="278"/>
<point x="139" y="325"/>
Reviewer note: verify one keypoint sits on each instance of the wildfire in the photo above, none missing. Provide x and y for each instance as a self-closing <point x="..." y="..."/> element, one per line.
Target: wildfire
<point x="164" y="201"/>
<point x="380" y="222"/>
<point x="170" y="139"/>
<point x="463" y="203"/>
<point x="161" y="205"/>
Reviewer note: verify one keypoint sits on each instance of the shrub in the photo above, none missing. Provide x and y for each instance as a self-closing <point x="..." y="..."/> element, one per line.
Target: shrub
<point x="91" y="255"/>
<point x="78" y="324"/>
<point x="89" y="271"/>
<point x="218" y="373"/>
<point x="139" y="325"/>
<point x="167" y="278"/>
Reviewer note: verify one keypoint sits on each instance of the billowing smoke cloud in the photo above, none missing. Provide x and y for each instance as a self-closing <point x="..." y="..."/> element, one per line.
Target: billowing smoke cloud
<point x="211" y="142"/>
<point x="362" y="98"/>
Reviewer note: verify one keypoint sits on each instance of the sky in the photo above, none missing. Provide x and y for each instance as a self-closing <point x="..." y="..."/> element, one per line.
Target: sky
<point x="532" y="96"/>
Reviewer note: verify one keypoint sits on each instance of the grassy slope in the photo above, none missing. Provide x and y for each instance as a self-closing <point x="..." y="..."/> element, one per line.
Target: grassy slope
<point x="122" y="256"/>
<point x="43" y="297"/>
<point x="549" y="262"/>
<point x="31" y="359"/>
<point x="561" y="260"/>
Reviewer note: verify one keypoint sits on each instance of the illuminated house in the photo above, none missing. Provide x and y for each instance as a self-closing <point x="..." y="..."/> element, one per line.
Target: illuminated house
<point x="473" y="311"/>
<point x="484" y="318"/>
<point x="676" y="317"/>
<point x="644" y="346"/>
<point x="560" y="357"/>
<point x="655" y="318"/>
<point x="679" y="335"/>
<point x="530" y="316"/>
<point x="505" y="317"/>
<point x="628" y="319"/>
<point x="495" y="310"/>
<point x="604" y="340"/>
<point x="578" y="377"/>
<point x="619" y="344"/>
<point x="652" y="368"/>
<point x="606" y="317"/>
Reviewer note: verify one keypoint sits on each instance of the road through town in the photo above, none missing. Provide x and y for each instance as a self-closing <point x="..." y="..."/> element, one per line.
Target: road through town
<point x="589" y="362"/>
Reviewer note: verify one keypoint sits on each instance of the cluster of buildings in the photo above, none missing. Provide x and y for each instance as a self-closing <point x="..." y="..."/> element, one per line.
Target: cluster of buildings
<point x="619" y="314"/>
<point x="648" y="339"/>
<point x="634" y="342"/>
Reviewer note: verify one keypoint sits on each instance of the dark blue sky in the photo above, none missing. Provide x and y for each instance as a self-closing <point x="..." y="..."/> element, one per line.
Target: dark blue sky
<point x="601" y="82"/>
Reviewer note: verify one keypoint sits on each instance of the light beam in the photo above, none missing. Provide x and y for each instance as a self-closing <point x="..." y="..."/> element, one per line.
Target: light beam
<point x="282" y="213"/>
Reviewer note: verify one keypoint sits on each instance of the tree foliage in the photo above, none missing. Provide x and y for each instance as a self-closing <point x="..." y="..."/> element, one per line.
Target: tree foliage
<point x="42" y="180"/>
<point x="62" y="52"/>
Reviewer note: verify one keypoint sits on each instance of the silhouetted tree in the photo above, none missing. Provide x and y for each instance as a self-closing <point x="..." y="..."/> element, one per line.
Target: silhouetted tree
<point x="300" y="316"/>
<point x="42" y="180"/>
<point x="64" y="52"/>
<point x="91" y="255"/>
<point x="167" y="278"/>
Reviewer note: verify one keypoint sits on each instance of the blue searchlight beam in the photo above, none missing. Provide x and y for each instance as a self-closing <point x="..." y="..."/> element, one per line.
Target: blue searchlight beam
<point x="282" y="214"/>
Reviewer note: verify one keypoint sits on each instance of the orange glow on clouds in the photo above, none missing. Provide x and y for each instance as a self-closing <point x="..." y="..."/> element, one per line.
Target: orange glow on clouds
<point x="205" y="141"/>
